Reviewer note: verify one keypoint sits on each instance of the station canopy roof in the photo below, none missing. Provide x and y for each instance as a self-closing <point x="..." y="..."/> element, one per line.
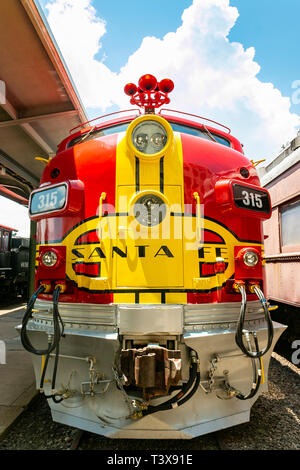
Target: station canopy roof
<point x="38" y="100"/>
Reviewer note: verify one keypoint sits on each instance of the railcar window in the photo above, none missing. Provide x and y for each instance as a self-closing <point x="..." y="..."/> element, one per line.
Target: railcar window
<point x="99" y="133"/>
<point x="199" y="133"/>
<point x="290" y="224"/>
<point x="5" y="241"/>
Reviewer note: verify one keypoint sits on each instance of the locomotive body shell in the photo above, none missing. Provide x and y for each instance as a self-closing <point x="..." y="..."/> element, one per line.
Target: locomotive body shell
<point x="136" y="287"/>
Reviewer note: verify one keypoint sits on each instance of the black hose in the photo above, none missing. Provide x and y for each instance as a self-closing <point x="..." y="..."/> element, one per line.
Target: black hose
<point x="256" y="378"/>
<point x="192" y="392"/>
<point x="241" y="321"/>
<point x="58" y="328"/>
<point x="57" y="325"/>
<point x="177" y="399"/>
<point x="263" y="301"/>
<point x="57" y="316"/>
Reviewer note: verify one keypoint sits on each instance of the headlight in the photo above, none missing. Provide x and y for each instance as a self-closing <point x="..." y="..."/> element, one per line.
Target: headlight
<point x="49" y="258"/>
<point x="149" y="137"/>
<point x="150" y="210"/>
<point x="250" y="258"/>
<point x="141" y="141"/>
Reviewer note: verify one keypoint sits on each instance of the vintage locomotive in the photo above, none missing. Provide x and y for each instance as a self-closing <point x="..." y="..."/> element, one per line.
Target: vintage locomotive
<point x="14" y="264"/>
<point x="149" y="275"/>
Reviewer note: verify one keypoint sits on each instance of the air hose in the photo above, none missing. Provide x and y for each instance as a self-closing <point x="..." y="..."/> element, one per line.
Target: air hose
<point x="58" y="328"/>
<point x="180" y="398"/>
<point x="240" y="332"/>
<point x="57" y="321"/>
<point x="241" y="321"/>
<point x="257" y="373"/>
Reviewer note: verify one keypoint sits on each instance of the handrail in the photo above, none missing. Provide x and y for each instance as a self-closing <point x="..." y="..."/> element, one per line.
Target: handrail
<point x="199" y="225"/>
<point x="104" y="116"/>
<point x="196" y="116"/>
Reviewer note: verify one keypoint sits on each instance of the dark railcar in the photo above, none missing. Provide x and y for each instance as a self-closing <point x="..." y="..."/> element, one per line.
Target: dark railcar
<point x="14" y="264"/>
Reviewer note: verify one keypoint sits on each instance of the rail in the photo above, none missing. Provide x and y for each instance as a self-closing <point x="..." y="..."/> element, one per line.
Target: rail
<point x="104" y="116"/>
<point x="194" y="116"/>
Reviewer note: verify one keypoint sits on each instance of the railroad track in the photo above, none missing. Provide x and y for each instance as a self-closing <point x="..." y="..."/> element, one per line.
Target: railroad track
<point x="77" y="439"/>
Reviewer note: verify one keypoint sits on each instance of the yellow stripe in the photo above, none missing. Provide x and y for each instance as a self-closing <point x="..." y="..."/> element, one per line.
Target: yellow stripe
<point x="43" y="365"/>
<point x="262" y="371"/>
<point x="156" y="269"/>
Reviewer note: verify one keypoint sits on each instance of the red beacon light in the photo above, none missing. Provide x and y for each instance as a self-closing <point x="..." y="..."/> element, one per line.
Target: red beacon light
<point x="149" y="94"/>
<point x="166" y="85"/>
<point x="130" y="89"/>
<point x="147" y="83"/>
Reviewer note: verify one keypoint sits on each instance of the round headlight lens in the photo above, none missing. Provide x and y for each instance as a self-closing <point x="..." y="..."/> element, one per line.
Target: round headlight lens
<point x="149" y="137"/>
<point x="158" y="140"/>
<point x="150" y="210"/>
<point x="141" y="141"/>
<point x="250" y="258"/>
<point x="49" y="258"/>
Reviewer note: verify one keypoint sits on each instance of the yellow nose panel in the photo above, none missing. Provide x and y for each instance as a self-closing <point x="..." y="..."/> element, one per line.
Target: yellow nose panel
<point x="149" y="256"/>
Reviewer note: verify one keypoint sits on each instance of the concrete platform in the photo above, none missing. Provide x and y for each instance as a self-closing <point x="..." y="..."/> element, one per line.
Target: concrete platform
<point x="17" y="381"/>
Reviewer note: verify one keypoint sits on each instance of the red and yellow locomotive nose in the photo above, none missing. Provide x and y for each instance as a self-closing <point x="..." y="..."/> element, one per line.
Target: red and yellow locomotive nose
<point x="150" y="246"/>
<point x="149" y="189"/>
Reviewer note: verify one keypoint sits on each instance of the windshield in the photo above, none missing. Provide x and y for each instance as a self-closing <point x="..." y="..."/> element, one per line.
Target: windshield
<point x="93" y="134"/>
<point x="203" y="133"/>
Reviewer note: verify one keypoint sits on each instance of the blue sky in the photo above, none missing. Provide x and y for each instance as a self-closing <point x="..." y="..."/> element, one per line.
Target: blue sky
<point x="269" y="26"/>
<point x="234" y="65"/>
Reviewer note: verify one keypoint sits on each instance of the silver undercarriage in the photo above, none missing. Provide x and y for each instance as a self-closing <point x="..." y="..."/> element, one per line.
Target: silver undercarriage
<point x="89" y="379"/>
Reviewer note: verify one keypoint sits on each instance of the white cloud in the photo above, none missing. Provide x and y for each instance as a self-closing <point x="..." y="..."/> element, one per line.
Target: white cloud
<point x="78" y="31"/>
<point x="213" y="76"/>
<point x="15" y="216"/>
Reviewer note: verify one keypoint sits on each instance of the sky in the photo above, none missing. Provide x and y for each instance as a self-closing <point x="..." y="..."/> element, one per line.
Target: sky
<point x="234" y="61"/>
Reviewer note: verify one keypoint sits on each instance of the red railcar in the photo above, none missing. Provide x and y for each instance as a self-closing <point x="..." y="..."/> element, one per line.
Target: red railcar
<point x="282" y="232"/>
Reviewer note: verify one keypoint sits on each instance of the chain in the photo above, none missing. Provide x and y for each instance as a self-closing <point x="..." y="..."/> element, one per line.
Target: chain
<point x="127" y="400"/>
<point x="211" y="373"/>
<point x="92" y="375"/>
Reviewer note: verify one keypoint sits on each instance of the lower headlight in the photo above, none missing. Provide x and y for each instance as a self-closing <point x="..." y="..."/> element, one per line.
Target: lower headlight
<point x="150" y="210"/>
<point x="49" y="258"/>
<point x="250" y="258"/>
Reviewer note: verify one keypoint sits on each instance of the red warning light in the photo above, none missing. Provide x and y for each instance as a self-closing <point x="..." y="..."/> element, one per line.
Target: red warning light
<point x="147" y="82"/>
<point x="166" y="85"/>
<point x="149" y="94"/>
<point x="130" y="89"/>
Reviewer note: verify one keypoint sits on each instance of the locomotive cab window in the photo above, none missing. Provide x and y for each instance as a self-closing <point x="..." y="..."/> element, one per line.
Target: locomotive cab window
<point x="90" y="135"/>
<point x="199" y="133"/>
<point x="290" y="224"/>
